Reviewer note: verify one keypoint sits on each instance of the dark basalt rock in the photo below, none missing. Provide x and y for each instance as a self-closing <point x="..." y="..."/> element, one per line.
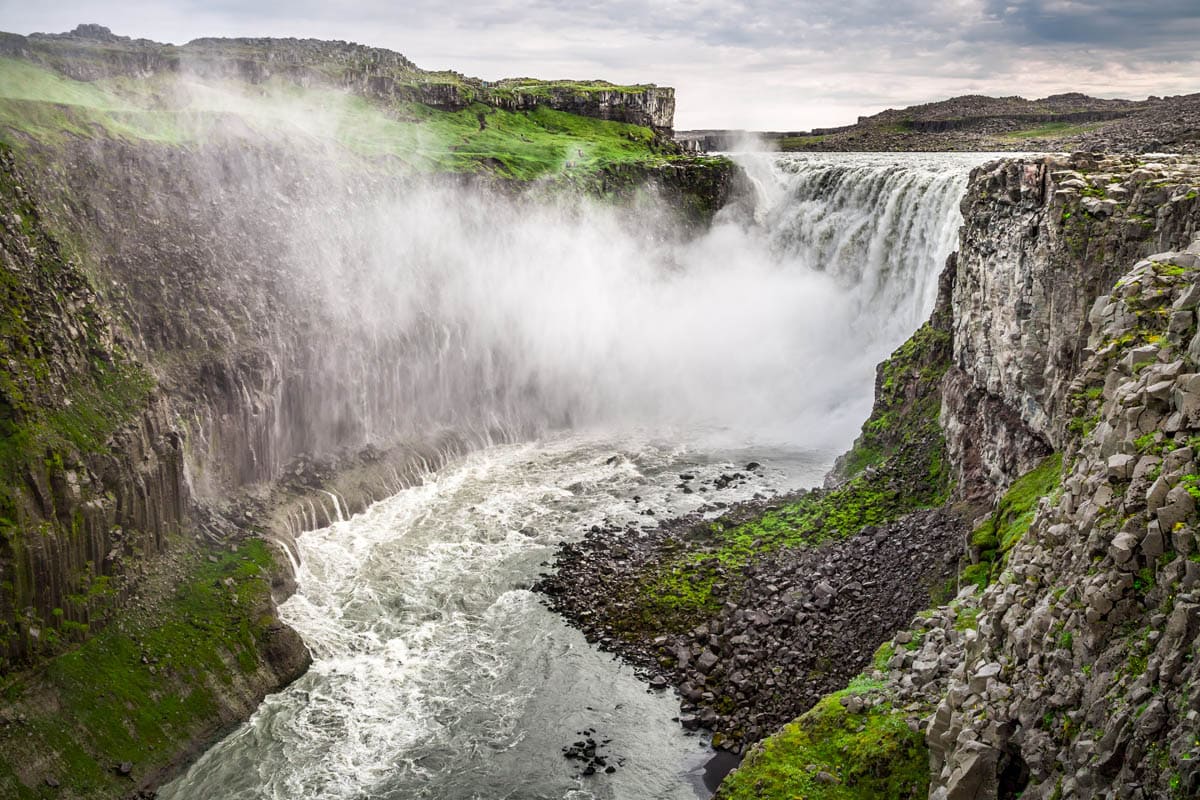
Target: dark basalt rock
<point x="806" y="621"/>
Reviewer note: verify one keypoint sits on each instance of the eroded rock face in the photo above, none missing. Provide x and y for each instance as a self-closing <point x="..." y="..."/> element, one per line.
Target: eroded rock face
<point x="1041" y="240"/>
<point x="651" y="106"/>
<point x="1081" y="677"/>
<point x="93" y="464"/>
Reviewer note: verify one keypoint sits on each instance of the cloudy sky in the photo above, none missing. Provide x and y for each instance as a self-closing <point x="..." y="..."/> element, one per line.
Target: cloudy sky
<point x="758" y="64"/>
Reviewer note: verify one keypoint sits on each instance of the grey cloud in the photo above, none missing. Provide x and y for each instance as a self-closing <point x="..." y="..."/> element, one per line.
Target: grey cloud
<point x="1149" y="24"/>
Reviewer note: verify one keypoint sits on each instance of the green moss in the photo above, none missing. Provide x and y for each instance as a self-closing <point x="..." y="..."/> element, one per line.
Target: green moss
<point x="907" y="400"/>
<point x="967" y="618"/>
<point x="139" y="691"/>
<point x="1144" y="581"/>
<point x="872" y="755"/>
<point x="999" y="533"/>
<point x="1191" y="483"/>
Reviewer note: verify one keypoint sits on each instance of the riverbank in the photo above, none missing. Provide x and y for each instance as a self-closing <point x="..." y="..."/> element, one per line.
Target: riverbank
<point x="755" y="616"/>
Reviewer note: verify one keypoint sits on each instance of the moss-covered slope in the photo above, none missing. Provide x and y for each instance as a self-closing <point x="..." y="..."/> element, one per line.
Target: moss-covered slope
<point x="122" y="640"/>
<point x="176" y="670"/>
<point x="87" y="478"/>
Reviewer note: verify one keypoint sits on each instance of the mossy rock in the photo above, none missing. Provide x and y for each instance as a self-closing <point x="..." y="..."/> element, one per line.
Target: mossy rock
<point x="830" y="753"/>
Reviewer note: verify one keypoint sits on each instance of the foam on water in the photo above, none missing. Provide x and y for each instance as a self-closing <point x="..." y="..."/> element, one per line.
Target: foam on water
<point x="436" y="672"/>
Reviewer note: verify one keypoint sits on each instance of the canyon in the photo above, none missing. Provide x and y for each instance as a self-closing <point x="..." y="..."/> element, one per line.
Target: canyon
<point x="314" y="360"/>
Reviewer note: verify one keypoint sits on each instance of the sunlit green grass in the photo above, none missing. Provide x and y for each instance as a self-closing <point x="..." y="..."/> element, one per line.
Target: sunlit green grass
<point x="1052" y="129"/>
<point x="47" y="107"/>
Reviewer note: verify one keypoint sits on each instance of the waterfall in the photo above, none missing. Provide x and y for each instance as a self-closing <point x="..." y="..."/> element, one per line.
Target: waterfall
<point x="501" y="319"/>
<point x="882" y="224"/>
<point x="437" y="673"/>
<point x="390" y="311"/>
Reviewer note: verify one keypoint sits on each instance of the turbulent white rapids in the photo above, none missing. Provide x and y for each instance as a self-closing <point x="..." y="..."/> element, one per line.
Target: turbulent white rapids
<point x="437" y="673"/>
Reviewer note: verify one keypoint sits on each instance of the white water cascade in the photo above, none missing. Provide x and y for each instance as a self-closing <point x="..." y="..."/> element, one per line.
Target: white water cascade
<point x="437" y="673"/>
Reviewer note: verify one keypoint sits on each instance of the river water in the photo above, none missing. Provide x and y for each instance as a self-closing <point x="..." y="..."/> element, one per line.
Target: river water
<point x="437" y="673"/>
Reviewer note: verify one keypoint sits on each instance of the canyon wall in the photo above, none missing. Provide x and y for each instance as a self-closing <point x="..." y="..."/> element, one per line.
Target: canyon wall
<point x="92" y="462"/>
<point x="1079" y="679"/>
<point x="1041" y="240"/>
<point x="1064" y="663"/>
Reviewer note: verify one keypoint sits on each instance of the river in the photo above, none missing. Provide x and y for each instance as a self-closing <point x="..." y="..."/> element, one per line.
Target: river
<point x="437" y="672"/>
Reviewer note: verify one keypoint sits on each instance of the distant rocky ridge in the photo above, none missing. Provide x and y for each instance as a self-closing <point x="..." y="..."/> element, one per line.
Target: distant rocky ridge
<point x="91" y="52"/>
<point x="1059" y="123"/>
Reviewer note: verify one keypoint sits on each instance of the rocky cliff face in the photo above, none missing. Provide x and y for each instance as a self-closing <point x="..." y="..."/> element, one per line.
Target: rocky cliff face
<point x="91" y="460"/>
<point x="1080" y="680"/>
<point x="1042" y="239"/>
<point x="1073" y="673"/>
<point x="650" y="106"/>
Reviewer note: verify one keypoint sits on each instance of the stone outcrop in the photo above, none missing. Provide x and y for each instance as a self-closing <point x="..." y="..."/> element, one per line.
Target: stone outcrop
<point x="1041" y="240"/>
<point x="649" y="106"/>
<point x="98" y="556"/>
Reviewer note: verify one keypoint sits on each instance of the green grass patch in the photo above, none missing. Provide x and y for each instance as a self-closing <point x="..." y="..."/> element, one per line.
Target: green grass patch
<point x="1052" y="129"/>
<point x="871" y="755"/>
<point x="792" y="144"/>
<point x="138" y="692"/>
<point x="999" y="533"/>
